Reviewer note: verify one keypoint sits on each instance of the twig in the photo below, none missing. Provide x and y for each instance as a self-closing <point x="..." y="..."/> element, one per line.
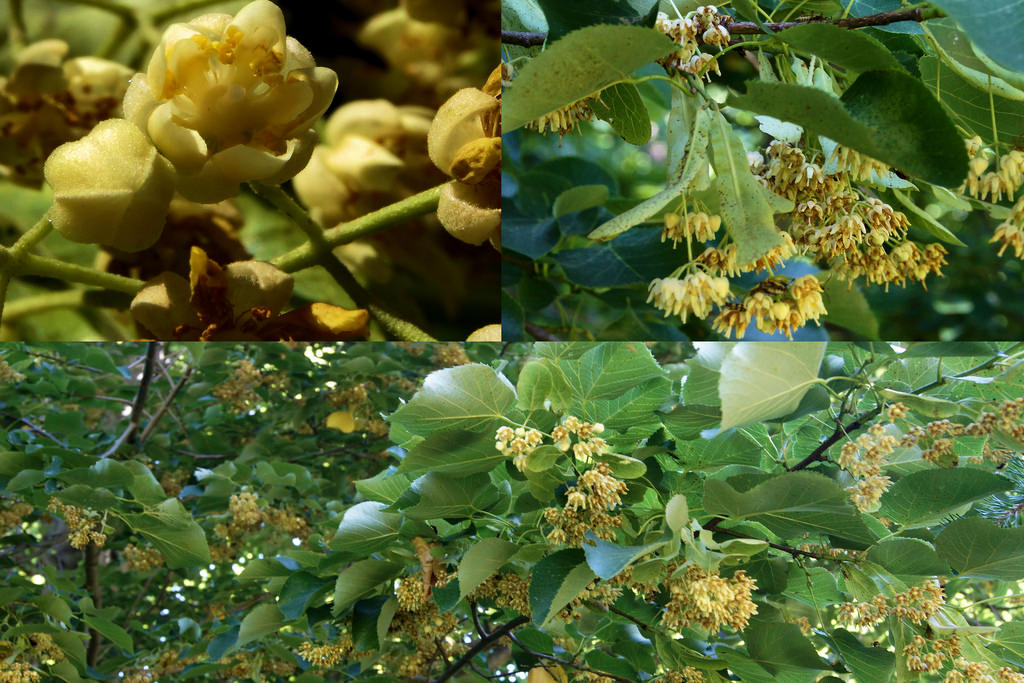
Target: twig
<point x="164" y="406"/>
<point x="566" y="662"/>
<point x="539" y="333"/>
<point x="37" y="430"/>
<point x="480" y="645"/>
<point x="530" y="39"/>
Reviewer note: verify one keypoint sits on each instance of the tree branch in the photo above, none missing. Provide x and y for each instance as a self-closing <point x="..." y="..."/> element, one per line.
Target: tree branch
<point x="140" y="399"/>
<point x="165" y="405"/>
<point x="479" y="646"/>
<point x="530" y="39"/>
<point x="566" y="662"/>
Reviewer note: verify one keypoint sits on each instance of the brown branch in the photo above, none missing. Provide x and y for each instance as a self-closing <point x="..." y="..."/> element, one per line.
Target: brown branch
<point x="479" y="646"/>
<point x="530" y="39"/>
<point x="566" y="662"/>
<point x="539" y="333"/>
<point x="880" y="19"/>
<point x="140" y="399"/>
<point x="165" y="405"/>
<point x="92" y="584"/>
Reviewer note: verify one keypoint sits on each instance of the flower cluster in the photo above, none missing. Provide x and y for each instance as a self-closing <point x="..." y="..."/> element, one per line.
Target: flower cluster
<point x="776" y="304"/>
<point x="224" y="100"/>
<point x="326" y="655"/>
<point x="706" y="599"/>
<point x="422" y="624"/>
<point x="587" y="508"/>
<point x="449" y="355"/>
<point x="687" y="675"/>
<point x="47" y="101"/>
<point x="937" y="438"/>
<point x="696" y="293"/>
<point x="84" y="526"/>
<point x="172" y="481"/>
<point x="517" y="443"/>
<point x="864" y="458"/>
<point x="1010" y="233"/>
<point x="588" y="444"/>
<point x="564" y="120"/>
<point x="706" y="24"/>
<point x="9" y="374"/>
<point x="12" y="513"/>
<point x="238" y="391"/>
<point x="141" y="559"/>
<point x="916" y="604"/>
<point x="1005" y="179"/>
<point x="508" y="591"/>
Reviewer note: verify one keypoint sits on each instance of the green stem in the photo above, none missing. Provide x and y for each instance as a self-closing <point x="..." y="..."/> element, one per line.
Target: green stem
<point x="322" y="252"/>
<point x="181" y="7"/>
<point x="71" y="272"/>
<point x="18" y="251"/>
<point x="69" y="298"/>
<point x="17" y="32"/>
<point x="411" y="207"/>
<point x="109" y="5"/>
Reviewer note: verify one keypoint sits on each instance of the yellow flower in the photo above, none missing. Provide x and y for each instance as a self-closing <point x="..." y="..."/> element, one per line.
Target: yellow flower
<point x="231" y="99"/>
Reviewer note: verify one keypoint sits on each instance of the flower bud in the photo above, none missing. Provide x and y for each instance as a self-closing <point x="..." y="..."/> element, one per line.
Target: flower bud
<point x="111" y="187"/>
<point x="486" y="333"/>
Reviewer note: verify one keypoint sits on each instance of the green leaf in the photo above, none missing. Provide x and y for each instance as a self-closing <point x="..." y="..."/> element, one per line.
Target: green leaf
<point x="298" y="591"/>
<point x="563" y="17"/>
<point x="996" y="26"/>
<point x="386" y="486"/>
<point x="103" y="474"/>
<point x="469" y="397"/>
<point x="366" y="528"/>
<point x="144" y="486"/>
<point x="907" y="557"/>
<point x="688" y="421"/>
<point x="543" y="458"/>
<point x="441" y="496"/>
<point x="790" y="504"/>
<point x="261" y="621"/>
<point x="865" y="663"/>
<point x="776" y="645"/>
<point x="534" y="385"/>
<point x="854" y="50"/>
<point x="556" y="581"/>
<point x="926" y="497"/>
<point x="579" y="198"/>
<point x="359" y="579"/>
<point x="608" y="370"/>
<point x="483" y="559"/>
<point x="53" y="605"/>
<point x="623" y="108"/>
<point x="84" y="496"/>
<point x="608" y="559"/>
<point x="1008" y="643"/>
<point x="747" y="213"/>
<point x="962" y="101"/>
<point x="760" y="381"/>
<point x="887" y="115"/>
<point x="848" y="307"/>
<point x="924" y="221"/>
<point x="577" y="66"/>
<point x="453" y="452"/>
<point x="111" y="631"/>
<point x="172" y="531"/>
<point x="979" y="549"/>
<point x="72" y="646"/>
<point x="24" y="479"/>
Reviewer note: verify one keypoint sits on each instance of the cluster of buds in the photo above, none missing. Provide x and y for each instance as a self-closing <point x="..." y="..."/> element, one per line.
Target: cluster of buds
<point x="706" y="599"/>
<point x="84" y="526"/>
<point x="698" y="226"/>
<point x="323" y="656"/>
<point x="12" y="514"/>
<point x="564" y="120"/>
<point x="685" y="675"/>
<point x="937" y="438"/>
<point x="141" y="559"/>
<point x="508" y="591"/>
<point x="916" y="604"/>
<point x="9" y="374"/>
<point x="982" y="183"/>
<point x="927" y="656"/>
<point x="864" y="458"/>
<point x="449" y="355"/>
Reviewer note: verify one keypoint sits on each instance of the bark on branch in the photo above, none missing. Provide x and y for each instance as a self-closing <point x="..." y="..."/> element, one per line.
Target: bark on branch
<point x="530" y="39"/>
